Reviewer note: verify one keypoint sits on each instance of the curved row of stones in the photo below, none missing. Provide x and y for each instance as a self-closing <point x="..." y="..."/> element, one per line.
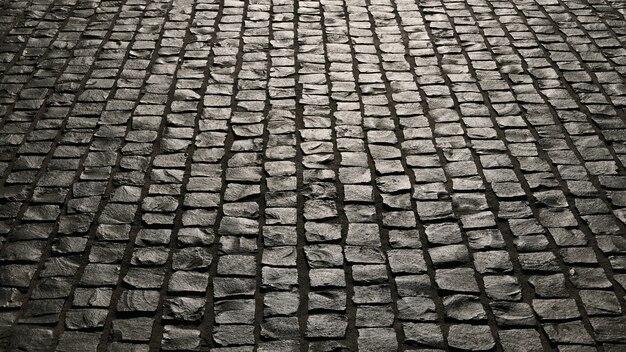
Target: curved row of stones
<point x="341" y="175"/>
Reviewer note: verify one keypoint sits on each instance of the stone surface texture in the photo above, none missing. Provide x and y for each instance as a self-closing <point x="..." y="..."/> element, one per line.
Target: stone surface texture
<point x="312" y="175"/>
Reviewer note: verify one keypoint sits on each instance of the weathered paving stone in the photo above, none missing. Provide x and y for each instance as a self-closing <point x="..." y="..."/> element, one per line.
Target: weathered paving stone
<point x="569" y="332"/>
<point x="555" y="309"/>
<point x="598" y="302"/>
<point x="227" y="312"/>
<point x="344" y="175"/>
<point x="449" y="255"/>
<point x="609" y="329"/>
<point x="502" y="287"/>
<point x="281" y="303"/>
<point x="521" y="339"/>
<point x="460" y="280"/>
<point x="133" y="329"/>
<point x="372" y="316"/>
<point x="73" y="340"/>
<point x="464" y="308"/>
<point x="513" y="314"/>
<point x="137" y="301"/>
<point x="85" y="319"/>
<point x="377" y="339"/>
<point x="416" y="309"/>
<point x="175" y="338"/>
<point x="331" y="300"/>
<point x="471" y="337"/>
<point x="326" y="326"/>
<point x="424" y="334"/>
<point x="225" y="335"/>
<point x="31" y="338"/>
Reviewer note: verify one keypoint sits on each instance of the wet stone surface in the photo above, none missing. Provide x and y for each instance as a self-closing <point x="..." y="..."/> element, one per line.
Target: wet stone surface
<point x="336" y="175"/>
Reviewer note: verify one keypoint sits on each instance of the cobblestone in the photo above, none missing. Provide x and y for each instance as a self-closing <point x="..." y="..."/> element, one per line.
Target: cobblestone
<point x="313" y="175"/>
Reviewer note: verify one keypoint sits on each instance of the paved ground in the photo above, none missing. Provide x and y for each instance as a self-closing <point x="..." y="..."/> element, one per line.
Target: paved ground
<point x="341" y="175"/>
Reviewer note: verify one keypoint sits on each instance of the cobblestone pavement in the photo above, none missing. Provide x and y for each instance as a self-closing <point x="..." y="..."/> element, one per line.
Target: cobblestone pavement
<point x="332" y="175"/>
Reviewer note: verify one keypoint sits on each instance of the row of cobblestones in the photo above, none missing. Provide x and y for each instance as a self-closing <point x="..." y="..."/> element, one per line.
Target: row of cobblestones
<point x="333" y="175"/>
